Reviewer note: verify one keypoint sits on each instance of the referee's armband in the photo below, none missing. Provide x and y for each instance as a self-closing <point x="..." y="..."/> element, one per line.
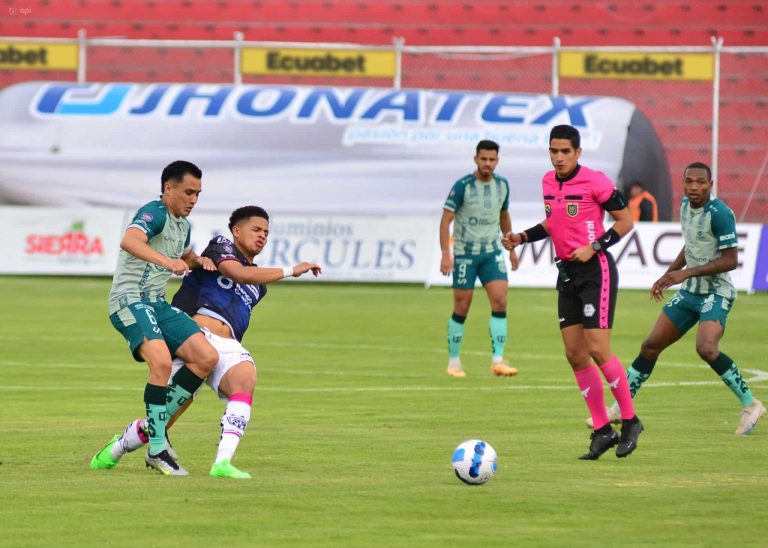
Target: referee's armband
<point x="615" y="202"/>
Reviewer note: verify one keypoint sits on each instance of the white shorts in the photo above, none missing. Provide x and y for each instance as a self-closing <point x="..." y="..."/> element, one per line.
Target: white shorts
<point x="231" y="353"/>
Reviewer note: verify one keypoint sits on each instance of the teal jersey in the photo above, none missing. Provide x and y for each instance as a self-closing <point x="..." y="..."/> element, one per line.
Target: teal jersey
<point x="477" y="206"/>
<point x="137" y="280"/>
<point x="707" y="231"/>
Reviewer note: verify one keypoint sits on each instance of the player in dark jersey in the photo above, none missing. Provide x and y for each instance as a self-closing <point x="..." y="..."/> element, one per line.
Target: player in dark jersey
<point x="575" y="201"/>
<point x="221" y="303"/>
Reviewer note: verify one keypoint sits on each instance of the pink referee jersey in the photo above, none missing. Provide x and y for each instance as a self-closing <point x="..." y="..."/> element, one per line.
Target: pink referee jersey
<point x="573" y="208"/>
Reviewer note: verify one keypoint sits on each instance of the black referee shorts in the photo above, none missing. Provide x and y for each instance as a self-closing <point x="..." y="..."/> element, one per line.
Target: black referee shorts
<point x="587" y="292"/>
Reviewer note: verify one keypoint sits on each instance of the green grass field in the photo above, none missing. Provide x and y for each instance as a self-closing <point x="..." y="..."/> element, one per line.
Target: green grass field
<point x="354" y="423"/>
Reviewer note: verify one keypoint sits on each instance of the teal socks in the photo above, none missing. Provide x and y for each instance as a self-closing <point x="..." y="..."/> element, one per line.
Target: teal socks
<point x="455" y="335"/>
<point x="181" y="388"/>
<point x="729" y="372"/>
<point x="638" y="373"/>
<point x="157" y="416"/>
<point x="497" y="328"/>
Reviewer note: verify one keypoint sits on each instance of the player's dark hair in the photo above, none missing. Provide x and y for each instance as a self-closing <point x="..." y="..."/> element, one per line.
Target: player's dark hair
<point x="486" y="144"/>
<point x="175" y="172"/>
<point x="699" y="165"/>
<point x="637" y="184"/>
<point x="565" y="131"/>
<point x="246" y="212"/>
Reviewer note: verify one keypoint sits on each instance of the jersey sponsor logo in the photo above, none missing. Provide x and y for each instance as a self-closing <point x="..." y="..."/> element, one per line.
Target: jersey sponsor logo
<point x="572" y="208"/>
<point x="591" y="231"/>
<point x="727" y="236"/>
<point x="147" y="217"/>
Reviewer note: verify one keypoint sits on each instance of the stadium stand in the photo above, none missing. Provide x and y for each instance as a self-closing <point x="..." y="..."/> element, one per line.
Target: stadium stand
<point x="531" y="22"/>
<point x="681" y="112"/>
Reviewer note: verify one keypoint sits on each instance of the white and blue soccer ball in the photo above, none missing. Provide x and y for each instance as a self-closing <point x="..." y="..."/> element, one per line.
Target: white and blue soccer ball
<point x="474" y="462"/>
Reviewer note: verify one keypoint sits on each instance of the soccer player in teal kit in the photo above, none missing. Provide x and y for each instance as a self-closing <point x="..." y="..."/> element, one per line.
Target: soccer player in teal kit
<point x="155" y="245"/>
<point x="705" y="296"/>
<point x="477" y="205"/>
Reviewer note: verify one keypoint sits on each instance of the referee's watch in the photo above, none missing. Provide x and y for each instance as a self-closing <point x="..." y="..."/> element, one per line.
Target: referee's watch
<point x="597" y="246"/>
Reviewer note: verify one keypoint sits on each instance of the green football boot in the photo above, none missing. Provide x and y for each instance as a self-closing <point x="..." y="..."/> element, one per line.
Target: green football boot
<point x="224" y="469"/>
<point x="103" y="460"/>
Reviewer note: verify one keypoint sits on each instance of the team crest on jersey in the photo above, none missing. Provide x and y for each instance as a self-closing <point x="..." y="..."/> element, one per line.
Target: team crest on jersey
<point x="572" y="209"/>
<point x="548" y="209"/>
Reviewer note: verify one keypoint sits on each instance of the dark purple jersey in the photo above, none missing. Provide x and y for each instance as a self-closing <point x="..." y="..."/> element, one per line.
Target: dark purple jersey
<point x="213" y="294"/>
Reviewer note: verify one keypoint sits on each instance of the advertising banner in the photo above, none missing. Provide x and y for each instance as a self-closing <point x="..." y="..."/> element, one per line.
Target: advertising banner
<point x="38" y="56"/>
<point x="298" y="149"/>
<point x="318" y="62"/>
<point x="85" y="241"/>
<point x="636" y="65"/>
<point x="349" y="248"/>
<point x="42" y="240"/>
<point x="641" y="257"/>
<point x="761" y="270"/>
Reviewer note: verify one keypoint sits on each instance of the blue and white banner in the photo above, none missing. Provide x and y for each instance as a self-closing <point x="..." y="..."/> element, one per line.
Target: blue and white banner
<point x="292" y="149"/>
<point x="350" y="248"/>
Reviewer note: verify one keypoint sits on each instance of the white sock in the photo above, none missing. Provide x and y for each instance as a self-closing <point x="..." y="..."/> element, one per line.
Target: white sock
<point x="233" y="425"/>
<point x="497" y="359"/>
<point x="133" y="438"/>
<point x="454" y="362"/>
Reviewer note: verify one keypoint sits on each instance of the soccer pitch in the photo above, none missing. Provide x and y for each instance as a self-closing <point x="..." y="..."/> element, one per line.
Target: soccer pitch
<point x="354" y="422"/>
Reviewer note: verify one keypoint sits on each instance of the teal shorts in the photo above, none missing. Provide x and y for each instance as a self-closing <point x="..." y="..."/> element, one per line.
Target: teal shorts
<point x="142" y="321"/>
<point x="686" y="309"/>
<point x="486" y="266"/>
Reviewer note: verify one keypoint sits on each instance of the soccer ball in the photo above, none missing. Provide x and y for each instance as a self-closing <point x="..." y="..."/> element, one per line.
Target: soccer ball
<point x="474" y="462"/>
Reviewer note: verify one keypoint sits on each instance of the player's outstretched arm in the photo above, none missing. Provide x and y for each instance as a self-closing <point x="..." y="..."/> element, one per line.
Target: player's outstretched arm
<point x="510" y="240"/>
<point x="258" y="275"/>
<point x="135" y="242"/>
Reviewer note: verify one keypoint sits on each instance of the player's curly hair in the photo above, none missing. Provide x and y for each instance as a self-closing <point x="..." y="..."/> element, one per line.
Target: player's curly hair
<point x="246" y="212"/>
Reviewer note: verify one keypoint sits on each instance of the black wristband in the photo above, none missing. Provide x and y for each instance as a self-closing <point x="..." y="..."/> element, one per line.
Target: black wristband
<point x="609" y="238"/>
<point x="535" y="233"/>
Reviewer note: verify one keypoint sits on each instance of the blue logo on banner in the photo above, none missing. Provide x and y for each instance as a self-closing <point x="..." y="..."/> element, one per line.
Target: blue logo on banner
<point x="306" y="104"/>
